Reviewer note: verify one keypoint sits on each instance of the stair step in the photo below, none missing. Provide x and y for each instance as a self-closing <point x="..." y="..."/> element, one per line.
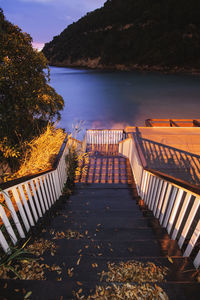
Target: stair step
<point x="55" y="290"/>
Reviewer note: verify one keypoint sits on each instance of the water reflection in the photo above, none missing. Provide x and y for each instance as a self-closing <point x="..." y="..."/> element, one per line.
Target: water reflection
<point x="106" y="99"/>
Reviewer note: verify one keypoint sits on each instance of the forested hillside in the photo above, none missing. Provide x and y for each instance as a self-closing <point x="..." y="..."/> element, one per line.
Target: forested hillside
<point x="148" y="34"/>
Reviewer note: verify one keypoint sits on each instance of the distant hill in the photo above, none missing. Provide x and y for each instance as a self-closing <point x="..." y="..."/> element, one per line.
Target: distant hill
<point x="129" y="34"/>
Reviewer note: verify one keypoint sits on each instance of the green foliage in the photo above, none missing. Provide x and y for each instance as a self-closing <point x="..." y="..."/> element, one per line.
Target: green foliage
<point x="27" y="102"/>
<point x="163" y="33"/>
<point x="9" y="260"/>
<point x="72" y="164"/>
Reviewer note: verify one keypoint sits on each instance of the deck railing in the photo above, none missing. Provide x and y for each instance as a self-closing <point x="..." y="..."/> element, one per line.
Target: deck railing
<point x="104" y="136"/>
<point x="172" y="123"/>
<point x="28" y="199"/>
<point x="176" y="207"/>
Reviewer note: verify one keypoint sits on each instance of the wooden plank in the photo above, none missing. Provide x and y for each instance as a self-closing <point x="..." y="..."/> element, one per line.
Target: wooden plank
<point x="7" y="225"/>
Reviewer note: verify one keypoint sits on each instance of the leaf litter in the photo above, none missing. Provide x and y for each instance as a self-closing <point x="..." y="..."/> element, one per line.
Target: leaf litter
<point x="131" y="280"/>
<point x="134" y="271"/>
<point x="31" y="268"/>
<point x="69" y="234"/>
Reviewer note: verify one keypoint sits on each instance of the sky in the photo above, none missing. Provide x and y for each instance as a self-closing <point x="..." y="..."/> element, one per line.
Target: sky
<point x="44" y="19"/>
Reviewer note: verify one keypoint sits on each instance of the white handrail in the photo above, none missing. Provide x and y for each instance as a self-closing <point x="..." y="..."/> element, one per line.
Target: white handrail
<point x="104" y="136"/>
<point x="176" y="207"/>
<point x="28" y="201"/>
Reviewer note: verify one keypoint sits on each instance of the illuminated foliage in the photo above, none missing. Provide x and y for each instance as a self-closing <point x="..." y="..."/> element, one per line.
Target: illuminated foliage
<point x="27" y="102"/>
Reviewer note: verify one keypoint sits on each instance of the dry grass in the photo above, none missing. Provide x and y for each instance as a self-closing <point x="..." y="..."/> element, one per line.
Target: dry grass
<point x="41" y="151"/>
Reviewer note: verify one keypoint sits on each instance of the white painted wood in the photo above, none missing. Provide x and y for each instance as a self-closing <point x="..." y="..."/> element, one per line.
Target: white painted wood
<point x="4" y="243"/>
<point x="7" y="225"/>
<point x="197" y="260"/>
<point x="148" y="189"/>
<point x="50" y="175"/>
<point x="21" y="209"/>
<point x="155" y="189"/>
<point x="181" y="215"/>
<point x="152" y="192"/>
<point x="26" y="207"/>
<point x="192" y="241"/>
<point x="146" y="186"/>
<point x="53" y="184"/>
<point x="37" y="203"/>
<point x="143" y="182"/>
<point x="161" y="182"/>
<point x="174" y="210"/>
<point x="189" y="221"/>
<point x="57" y="183"/>
<point x="13" y="214"/>
<point x="165" y="202"/>
<point x="170" y="206"/>
<point x="160" y="202"/>
<point x="49" y="189"/>
<point x="41" y="200"/>
<point x="31" y="201"/>
<point x="44" y="194"/>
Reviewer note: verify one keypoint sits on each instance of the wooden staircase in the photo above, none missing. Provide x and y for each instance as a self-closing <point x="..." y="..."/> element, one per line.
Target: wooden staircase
<point x="114" y="226"/>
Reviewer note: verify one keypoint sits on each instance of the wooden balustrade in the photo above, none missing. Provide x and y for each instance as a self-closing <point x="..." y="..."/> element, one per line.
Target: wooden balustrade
<point x="28" y="199"/>
<point x="175" y="206"/>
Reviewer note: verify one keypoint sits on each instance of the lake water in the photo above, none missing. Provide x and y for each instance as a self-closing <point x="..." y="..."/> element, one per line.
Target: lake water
<point x="108" y="99"/>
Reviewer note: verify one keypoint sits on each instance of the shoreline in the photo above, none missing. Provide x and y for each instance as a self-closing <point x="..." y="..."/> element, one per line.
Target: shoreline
<point x="121" y="67"/>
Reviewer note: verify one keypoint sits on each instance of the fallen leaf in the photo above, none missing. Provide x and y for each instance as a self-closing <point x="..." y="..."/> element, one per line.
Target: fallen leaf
<point x="170" y="259"/>
<point x="79" y="283"/>
<point x="70" y="272"/>
<point x="80" y="291"/>
<point x="78" y="261"/>
<point x="27" y="295"/>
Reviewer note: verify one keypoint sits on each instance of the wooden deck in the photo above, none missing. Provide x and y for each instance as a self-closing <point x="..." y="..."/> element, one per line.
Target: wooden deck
<point x="105" y="169"/>
<point x="174" y="151"/>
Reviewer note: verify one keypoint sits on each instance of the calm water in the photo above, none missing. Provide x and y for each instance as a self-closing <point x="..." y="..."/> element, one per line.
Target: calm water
<point x="106" y="99"/>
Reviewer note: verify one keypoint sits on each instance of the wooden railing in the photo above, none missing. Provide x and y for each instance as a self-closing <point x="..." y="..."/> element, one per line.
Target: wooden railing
<point x="28" y="198"/>
<point x="175" y="205"/>
<point x="104" y="136"/>
<point x="172" y="123"/>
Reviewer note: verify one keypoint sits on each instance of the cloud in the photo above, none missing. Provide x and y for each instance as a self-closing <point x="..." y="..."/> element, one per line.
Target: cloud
<point x="38" y="46"/>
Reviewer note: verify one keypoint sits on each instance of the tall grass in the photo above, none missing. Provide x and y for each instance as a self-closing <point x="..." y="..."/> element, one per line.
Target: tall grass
<point x="41" y="151"/>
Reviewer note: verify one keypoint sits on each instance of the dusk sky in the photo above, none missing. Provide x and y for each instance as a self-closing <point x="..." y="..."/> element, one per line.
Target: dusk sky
<point x="43" y="19"/>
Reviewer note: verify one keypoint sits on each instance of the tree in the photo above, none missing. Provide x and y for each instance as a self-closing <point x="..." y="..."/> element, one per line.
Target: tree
<point x="27" y="102"/>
